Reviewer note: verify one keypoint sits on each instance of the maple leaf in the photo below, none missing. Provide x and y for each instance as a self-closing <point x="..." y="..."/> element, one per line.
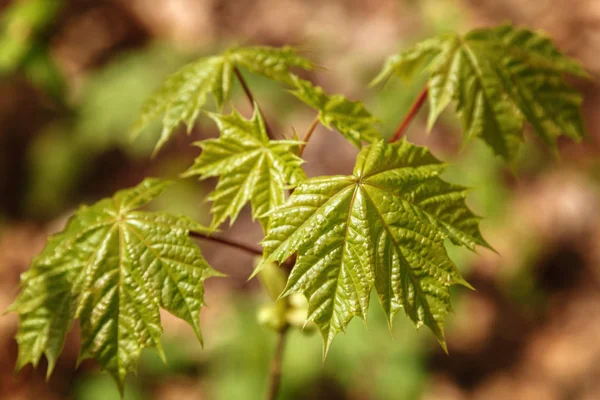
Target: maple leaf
<point x="383" y="226"/>
<point x="350" y="118"/>
<point x="250" y="167"/>
<point x="112" y="267"/>
<point x="498" y="77"/>
<point x="183" y="94"/>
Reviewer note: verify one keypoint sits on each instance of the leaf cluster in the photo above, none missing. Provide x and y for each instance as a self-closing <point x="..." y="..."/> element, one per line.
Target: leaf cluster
<point x="184" y="94"/>
<point x="382" y="228"/>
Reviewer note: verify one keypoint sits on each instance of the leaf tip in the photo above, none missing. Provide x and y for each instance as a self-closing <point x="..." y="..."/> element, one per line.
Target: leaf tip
<point x="197" y="332"/>
<point x="22" y="361"/>
<point x="261" y="266"/>
<point x="161" y="353"/>
<point x="134" y="133"/>
<point x="380" y="79"/>
<point x="157" y="148"/>
<point x="390" y="323"/>
<point x="485" y="244"/>
<point x="120" y="382"/>
<point x="326" y="347"/>
<point x="463" y="282"/>
<point x="442" y="342"/>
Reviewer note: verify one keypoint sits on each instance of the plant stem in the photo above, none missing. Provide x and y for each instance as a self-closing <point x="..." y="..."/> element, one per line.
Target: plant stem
<point x="242" y="81"/>
<point x="227" y="242"/>
<point x="307" y="135"/>
<point x="275" y="374"/>
<point x="414" y="109"/>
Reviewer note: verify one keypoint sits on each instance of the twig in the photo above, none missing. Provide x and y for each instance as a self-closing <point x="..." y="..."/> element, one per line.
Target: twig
<point x="227" y="242"/>
<point x="276" y="363"/>
<point x="414" y="109"/>
<point x="242" y="81"/>
<point x="307" y="135"/>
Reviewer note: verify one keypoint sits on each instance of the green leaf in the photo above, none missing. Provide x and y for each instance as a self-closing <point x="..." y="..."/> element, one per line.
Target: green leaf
<point x="273" y="63"/>
<point x="350" y="118"/>
<point x="184" y="94"/>
<point x="250" y="167"/>
<point x="498" y="77"/>
<point x="112" y="267"/>
<point x="383" y="226"/>
<point x="408" y="63"/>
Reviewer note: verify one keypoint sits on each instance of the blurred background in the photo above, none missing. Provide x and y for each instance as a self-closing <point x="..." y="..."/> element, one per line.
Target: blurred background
<point x="73" y="74"/>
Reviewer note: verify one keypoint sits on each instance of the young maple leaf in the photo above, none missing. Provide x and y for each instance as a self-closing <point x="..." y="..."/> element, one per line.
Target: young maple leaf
<point x="112" y="268"/>
<point x="383" y="226"/>
<point x="250" y="167"/>
<point x="498" y="77"/>
<point x="183" y="95"/>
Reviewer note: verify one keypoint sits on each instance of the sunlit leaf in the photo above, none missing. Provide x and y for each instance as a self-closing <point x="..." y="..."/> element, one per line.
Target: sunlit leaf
<point x="112" y="268"/>
<point x="383" y="226"/>
<point x="183" y="95"/>
<point x="251" y="168"/>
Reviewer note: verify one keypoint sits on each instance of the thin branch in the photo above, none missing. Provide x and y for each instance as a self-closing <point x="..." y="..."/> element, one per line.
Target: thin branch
<point x="240" y="246"/>
<point x="414" y="109"/>
<point x="242" y="81"/>
<point x="276" y="363"/>
<point x="307" y="135"/>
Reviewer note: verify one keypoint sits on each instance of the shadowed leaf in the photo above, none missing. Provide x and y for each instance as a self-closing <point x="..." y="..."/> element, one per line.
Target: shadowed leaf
<point x="498" y="77"/>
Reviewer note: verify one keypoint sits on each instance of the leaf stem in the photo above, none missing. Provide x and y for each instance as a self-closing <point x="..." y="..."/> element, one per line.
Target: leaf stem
<point x="242" y="81"/>
<point x="308" y="134"/>
<point x="414" y="109"/>
<point x="250" y="97"/>
<point x="276" y="363"/>
<point x="227" y="242"/>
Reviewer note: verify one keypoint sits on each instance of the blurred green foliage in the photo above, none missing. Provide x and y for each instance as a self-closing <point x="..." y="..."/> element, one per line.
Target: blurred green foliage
<point x="23" y="45"/>
<point x="54" y="166"/>
<point x="102" y="112"/>
<point x="111" y="97"/>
